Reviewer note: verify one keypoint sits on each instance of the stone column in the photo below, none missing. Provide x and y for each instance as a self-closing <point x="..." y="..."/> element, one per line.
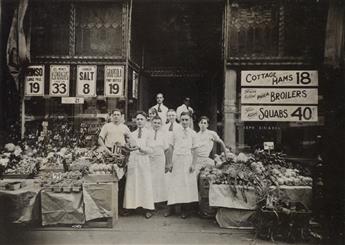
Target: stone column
<point x="230" y="108"/>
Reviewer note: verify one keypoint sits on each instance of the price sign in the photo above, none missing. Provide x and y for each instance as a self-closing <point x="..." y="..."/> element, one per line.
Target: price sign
<point x="72" y="100"/>
<point x="279" y="96"/>
<point x="59" y="80"/>
<point x="86" y="80"/>
<point x="34" y="80"/>
<point x="300" y="78"/>
<point x="113" y="81"/>
<point x="281" y="113"/>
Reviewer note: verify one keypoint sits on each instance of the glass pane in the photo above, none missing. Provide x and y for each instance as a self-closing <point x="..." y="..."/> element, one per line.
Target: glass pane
<point x="99" y="29"/>
<point x="50" y="28"/>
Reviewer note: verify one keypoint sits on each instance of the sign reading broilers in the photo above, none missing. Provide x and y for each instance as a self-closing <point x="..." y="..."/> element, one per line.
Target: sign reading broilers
<point x="279" y="96"/>
<point x="86" y="82"/>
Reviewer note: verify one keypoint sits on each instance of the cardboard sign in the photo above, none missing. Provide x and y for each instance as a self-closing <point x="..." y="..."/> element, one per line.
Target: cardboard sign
<point x="279" y="96"/>
<point x="59" y="80"/>
<point x="34" y="80"/>
<point x="86" y="80"/>
<point x="290" y="113"/>
<point x="72" y="100"/>
<point x="300" y="78"/>
<point x="113" y="81"/>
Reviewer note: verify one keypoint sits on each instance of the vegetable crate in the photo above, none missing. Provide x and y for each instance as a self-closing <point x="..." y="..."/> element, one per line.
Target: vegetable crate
<point x="283" y="223"/>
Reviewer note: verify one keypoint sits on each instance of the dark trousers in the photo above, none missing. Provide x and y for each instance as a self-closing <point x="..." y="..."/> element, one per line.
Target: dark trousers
<point x="122" y="185"/>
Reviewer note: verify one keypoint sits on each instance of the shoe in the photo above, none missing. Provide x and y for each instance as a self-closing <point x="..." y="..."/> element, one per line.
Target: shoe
<point x="148" y="214"/>
<point x="124" y="212"/>
<point x="184" y="215"/>
<point x="167" y="212"/>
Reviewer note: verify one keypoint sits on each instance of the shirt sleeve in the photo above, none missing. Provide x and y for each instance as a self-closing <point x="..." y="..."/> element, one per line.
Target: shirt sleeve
<point x="215" y="136"/>
<point x="126" y="130"/>
<point x="194" y="140"/>
<point x="103" y="132"/>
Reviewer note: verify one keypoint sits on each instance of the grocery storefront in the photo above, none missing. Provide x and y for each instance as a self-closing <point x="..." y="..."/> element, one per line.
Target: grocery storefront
<point x="257" y="69"/>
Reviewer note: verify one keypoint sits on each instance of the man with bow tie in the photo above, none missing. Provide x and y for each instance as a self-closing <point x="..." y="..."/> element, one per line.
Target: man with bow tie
<point x="161" y="108"/>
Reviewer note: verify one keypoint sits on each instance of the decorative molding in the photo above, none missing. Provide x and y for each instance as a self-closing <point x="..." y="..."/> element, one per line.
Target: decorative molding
<point x="281" y="31"/>
<point x="268" y="61"/>
<point x="124" y="29"/>
<point x="174" y="72"/>
<point x="72" y="38"/>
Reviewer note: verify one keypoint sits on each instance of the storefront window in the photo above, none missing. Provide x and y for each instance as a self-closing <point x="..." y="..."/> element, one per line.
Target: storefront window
<point x="50" y="28"/>
<point x="99" y="29"/>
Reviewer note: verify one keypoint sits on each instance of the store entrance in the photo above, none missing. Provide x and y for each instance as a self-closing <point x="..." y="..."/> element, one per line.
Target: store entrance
<point x="181" y="53"/>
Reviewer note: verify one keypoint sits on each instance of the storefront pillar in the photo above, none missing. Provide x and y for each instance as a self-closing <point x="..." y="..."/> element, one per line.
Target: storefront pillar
<point x="230" y="108"/>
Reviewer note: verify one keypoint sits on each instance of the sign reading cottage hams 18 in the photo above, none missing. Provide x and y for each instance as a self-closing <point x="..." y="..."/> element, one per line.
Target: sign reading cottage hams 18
<point x="279" y="96"/>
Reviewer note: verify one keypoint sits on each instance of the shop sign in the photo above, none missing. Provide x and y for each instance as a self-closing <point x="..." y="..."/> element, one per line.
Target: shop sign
<point x="281" y="113"/>
<point x="34" y="80"/>
<point x="300" y="78"/>
<point x="72" y="100"/>
<point x="269" y="145"/>
<point x="86" y="80"/>
<point x="59" y="80"/>
<point x="113" y="81"/>
<point x="279" y="96"/>
<point x="135" y="84"/>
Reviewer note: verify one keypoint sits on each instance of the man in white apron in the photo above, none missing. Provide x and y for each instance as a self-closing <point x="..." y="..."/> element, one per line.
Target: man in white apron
<point x="139" y="187"/>
<point x="182" y="187"/>
<point x="158" y="141"/>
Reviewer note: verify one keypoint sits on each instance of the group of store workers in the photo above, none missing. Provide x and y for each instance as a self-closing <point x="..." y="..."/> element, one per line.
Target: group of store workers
<point x="166" y="155"/>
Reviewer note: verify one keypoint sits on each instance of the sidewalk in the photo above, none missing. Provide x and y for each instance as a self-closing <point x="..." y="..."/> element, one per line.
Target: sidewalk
<point x="138" y="230"/>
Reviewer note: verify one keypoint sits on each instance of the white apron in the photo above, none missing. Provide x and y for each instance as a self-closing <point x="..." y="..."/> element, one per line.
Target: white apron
<point x="183" y="187"/>
<point x="138" y="190"/>
<point x="157" y="162"/>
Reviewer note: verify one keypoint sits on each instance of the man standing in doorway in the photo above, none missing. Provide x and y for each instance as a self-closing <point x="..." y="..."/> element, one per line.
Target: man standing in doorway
<point x="161" y="109"/>
<point x="113" y="134"/>
<point x="185" y="107"/>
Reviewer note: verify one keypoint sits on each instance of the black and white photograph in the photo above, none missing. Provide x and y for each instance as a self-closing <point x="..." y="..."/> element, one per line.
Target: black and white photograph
<point x="172" y="122"/>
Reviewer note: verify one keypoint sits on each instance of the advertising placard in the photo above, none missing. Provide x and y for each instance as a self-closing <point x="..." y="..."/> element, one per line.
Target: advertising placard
<point x="281" y="113"/>
<point x="299" y="78"/>
<point x="113" y="81"/>
<point x="34" y="80"/>
<point x="86" y="80"/>
<point x="279" y="96"/>
<point x="59" y="80"/>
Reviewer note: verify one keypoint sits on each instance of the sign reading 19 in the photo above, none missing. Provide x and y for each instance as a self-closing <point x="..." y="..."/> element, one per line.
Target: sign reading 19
<point x="34" y="81"/>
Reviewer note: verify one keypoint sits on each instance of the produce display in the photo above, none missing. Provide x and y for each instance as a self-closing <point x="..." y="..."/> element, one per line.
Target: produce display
<point x="59" y="181"/>
<point x="260" y="171"/>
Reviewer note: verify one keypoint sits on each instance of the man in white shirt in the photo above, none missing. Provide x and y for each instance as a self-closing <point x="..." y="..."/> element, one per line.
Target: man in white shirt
<point x="114" y="134"/>
<point x="185" y="107"/>
<point x="161" y="108"/>
<point x="172" y="124"/>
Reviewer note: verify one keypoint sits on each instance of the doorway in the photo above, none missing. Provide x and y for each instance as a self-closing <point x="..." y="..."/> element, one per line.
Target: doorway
<point x="181" y="49"/>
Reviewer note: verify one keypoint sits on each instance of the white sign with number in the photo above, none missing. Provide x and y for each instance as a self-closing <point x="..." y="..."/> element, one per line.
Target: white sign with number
<point x="113" y="81"/>
<point x="34" y="80"/>
<point x="59" y="80"/>
<point x="289" y="113"/>
<point x="279" y="96"/>
<point x="86" y="80"/>
<point x="72" y="100"/>
<point x="300" y="78"/>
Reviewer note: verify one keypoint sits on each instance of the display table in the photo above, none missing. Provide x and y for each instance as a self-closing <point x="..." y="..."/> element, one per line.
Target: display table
<point x="22" y="205"/>
<point x="237" y="211"/>
<point x="222" y="196"/>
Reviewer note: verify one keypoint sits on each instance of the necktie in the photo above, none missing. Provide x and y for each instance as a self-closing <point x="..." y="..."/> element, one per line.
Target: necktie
<point x="171" y="127"/>
<point x="139" y="133"/>
<point x="155" y="135"/>
<point x="159" y="108"/>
